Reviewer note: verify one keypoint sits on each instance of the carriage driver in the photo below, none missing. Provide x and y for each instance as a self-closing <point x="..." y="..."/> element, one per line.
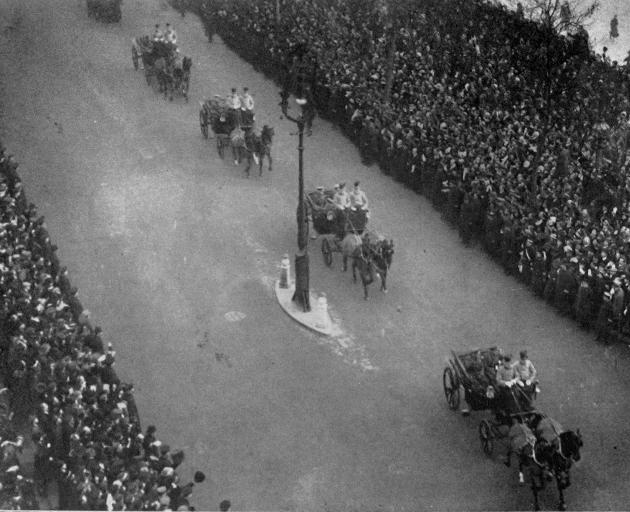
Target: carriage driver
<point x="341" y="197"/>
<point x="248" y="101"/>
<point x="526" y="373"/>
<point x="235" y="104"/>
<point x="341" y="200"/>
<point x="169" y="35"/>
<point x="358" y="198"/>
<point x="506" y="378"/>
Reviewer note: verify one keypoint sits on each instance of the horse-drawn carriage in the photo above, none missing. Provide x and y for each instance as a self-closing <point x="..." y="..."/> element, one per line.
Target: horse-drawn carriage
<point x="475" y="372"/>
<point x="237" y="131"/>
<point x="104" y="10"/>
<point x="345" y="231"/>
<point x="162" y="65"/>
<point x="215" y="113"/>
<point x="542" y="446"/>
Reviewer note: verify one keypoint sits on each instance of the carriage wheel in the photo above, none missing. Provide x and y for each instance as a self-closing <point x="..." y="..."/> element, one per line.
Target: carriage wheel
<point x="486" y="437"/>
<point x="327" y="252"/>
<point x="451" y="388"/>
<point x="203" y="123"/>
<point x="134" y="58"/>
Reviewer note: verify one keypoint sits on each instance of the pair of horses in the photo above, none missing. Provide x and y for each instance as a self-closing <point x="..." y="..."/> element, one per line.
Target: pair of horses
<point x="160" y="61"/>
<point x="370" y="258"/>
<point x="252" y="147"/>
<point x="177" y="78"/>
<point x="549" y="453"/>
<point x="173" y="77"/>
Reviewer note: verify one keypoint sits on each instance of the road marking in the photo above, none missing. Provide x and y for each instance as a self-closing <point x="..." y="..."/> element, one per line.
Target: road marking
<point x="147" y="155"/>
<point x="234" y="316"/>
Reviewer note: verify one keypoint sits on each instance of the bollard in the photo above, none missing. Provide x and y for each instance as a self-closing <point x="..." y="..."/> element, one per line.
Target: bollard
<point x="285" y="267"/>
<point x="323" y="318"/>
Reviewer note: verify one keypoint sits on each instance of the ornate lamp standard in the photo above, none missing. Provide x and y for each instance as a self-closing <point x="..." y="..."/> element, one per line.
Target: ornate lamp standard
<point x="302" y="291"/>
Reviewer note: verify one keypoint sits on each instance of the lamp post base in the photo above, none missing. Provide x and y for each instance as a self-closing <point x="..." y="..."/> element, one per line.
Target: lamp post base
<point x="302" y="291"/>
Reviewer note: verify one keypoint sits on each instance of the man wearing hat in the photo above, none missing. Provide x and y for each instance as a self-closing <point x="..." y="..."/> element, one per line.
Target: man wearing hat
<point x="235" y="104"/>
<point x="157" y="33"/>
<point x="341" y="198"/>
<point x="358" y="198"/>
<point x="169" y="35"/>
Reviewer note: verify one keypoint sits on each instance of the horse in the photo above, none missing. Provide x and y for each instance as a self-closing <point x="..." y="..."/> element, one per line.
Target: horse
<point x="266" y="140"/>
<point x="370" y="259"/>
<point x="530" y="454"/>
<point x="181" y="77"/>
<point x="560" y="448"/>
<point x="245" y="144"/>
<point x="238" y="144"/>
<point x="164" y="78"/>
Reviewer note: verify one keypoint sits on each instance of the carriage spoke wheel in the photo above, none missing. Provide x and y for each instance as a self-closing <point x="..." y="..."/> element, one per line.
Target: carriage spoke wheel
<point x="486" y="437"/>
<point x="203" y="123"/>
<point x="451" y="389"/>
<point x="134" y="58"/>
<point x="327" y="252"/>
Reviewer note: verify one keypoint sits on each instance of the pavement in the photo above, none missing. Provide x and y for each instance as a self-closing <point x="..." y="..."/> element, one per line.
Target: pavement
<point x="175" y="253"/>
<point x="317" y="319"/>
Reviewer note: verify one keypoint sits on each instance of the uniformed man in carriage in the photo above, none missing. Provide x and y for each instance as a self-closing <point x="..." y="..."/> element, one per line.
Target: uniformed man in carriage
<point x="235" y="104"/>
<point x="341" y="200"/>
<point x="506" y="378"/>
<point x="157" y="33"/>
<point x="526" y="375"/>
<point x="248" y="102"/>
<point x="358" y="198"/>
<point x="169" y="35"/>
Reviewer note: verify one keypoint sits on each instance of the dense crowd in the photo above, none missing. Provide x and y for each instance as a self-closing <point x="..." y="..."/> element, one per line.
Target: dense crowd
<point x="58" y="371"/>
<point x="519" y="136"/>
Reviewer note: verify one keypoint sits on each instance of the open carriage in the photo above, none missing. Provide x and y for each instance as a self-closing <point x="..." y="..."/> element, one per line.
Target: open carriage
<point x="476" y="373"/>
<point x="162" y="65"/>
<point x="332" y="223"/>
<point x="212" y="110"/>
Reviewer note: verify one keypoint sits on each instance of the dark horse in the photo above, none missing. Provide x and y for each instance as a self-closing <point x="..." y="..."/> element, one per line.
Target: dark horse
<point x="181" y="78"/>
<point x="370" y="259"/>
<point x="257" y="147"/>
<point x="559" y="449"/>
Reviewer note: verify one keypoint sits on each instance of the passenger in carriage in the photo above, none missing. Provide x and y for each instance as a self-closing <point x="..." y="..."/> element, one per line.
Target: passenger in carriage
<point x="222" y="126"/>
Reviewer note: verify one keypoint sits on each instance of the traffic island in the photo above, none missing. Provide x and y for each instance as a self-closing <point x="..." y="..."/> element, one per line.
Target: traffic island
<point x="317" y="319"/>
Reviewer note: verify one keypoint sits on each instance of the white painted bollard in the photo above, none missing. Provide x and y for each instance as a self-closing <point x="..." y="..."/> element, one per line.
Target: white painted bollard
<point x="285" y="269"/>
<point x="323" y="318"/>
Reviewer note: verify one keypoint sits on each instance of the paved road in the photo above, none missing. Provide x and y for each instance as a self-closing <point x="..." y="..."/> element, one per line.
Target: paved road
<point x="175" y="253"/>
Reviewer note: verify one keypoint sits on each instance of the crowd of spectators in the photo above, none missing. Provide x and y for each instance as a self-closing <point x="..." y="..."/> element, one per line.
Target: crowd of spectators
<point x="59" y="373"/>
<point x="520" y="137"/>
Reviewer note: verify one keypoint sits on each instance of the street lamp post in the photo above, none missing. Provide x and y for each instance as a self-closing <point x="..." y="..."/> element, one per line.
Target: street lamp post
<point x="302" y="290"/>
